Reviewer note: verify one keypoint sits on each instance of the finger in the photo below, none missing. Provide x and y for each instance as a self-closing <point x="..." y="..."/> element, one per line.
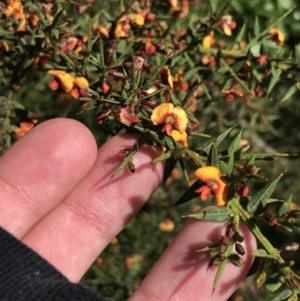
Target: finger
<point x="73" y="235"/>
<point x="40" y="169"/>
<point x="184" y="274"/>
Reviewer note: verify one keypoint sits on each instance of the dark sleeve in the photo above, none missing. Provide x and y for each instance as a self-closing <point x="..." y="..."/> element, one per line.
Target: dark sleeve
<point x="25" y="276"/>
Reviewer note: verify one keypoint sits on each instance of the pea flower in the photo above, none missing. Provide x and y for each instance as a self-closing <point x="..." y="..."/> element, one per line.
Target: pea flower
<point x="213" y="184"/>
<point x="277" y="36"/>
<point x="65" y="79"/>
<point x="75" y="85"/>
<point x="174" y="120"/>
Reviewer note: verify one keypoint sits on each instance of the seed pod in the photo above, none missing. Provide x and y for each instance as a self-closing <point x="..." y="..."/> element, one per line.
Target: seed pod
<point x="259" y="279"/>
<point x="251" y="169"/>
<point x="239" y="249"/>
<point x="238" y="237"/>
<point x="235" y="259"/>
<point x="131" y="166"/>
<point x="215" y="252"/>
<point x="216" y="260"/>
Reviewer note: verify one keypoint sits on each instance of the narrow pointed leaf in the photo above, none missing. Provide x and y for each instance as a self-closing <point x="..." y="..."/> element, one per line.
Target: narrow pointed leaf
<point x="263" y="254"/>
<point x="182" y="165"/>
<point x="230" y="164"/>
<point x="240" y="36"/>
<point x="290" y="92"/>
<point x="125" y="162"/>
<point x="256" y="26"/>
<point x="263" y="195"/>
<point x="169" y="166"/>
<point x="219" y="273"/>
<point x="189" y="194"/>
<point x="178" y="152"/>
<point x="273" y="287"/>
<point x="250" y="161"/>
<point x="207" y="144"/>
<point x="218" y="214"/>
<point x="284" y="208"/>
<point x="213" y="157"/>
<point x="162" y="157"/>
<point x="235" y="144"/>
<point x="282" y="295"/>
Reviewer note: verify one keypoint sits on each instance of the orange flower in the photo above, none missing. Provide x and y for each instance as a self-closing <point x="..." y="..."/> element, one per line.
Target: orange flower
<point x="102" y="31"/>
<point x="277" y="36"/>
<point x="213" y="184"/>
<point x="65" y="79"/>
<point x="227" y="24"/>
<point x="14" y="9"/>
<point x="175" y="121"/>
<point x="167" y="225"/>
<point x="180" y="137"/>
<point x="25" y="127"/>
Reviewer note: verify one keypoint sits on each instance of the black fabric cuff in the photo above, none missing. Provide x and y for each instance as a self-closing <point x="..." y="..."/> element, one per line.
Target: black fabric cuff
<point x="25" y="276"/>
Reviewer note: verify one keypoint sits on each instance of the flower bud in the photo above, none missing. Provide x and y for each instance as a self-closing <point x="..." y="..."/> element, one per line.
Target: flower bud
<point x="230" y="230"/>
<point x="251" y="169"/>
<point x="243" y="191"/>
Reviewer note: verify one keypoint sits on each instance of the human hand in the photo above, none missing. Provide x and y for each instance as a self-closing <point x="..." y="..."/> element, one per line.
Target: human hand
<point x="57" y="197"/>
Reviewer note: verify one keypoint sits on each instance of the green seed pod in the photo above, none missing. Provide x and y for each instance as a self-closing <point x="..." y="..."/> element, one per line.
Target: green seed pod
<point x="238" y="237"/>
<point x="236" y="260"/>
<point x="239" y="249"/>
<point x="216" y="260"/>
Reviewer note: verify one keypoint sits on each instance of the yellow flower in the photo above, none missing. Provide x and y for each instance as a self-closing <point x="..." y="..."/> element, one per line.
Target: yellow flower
<point x="208" y="40"/>
<point x="81" y="82"/>
<point x="173" y="118"/>
<point x="65" y="79"/>
<point x="180" y="137"/>
<point x="213" y="184"/>
<point x="277" y="36"/>
<point x="4" y="46"/>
